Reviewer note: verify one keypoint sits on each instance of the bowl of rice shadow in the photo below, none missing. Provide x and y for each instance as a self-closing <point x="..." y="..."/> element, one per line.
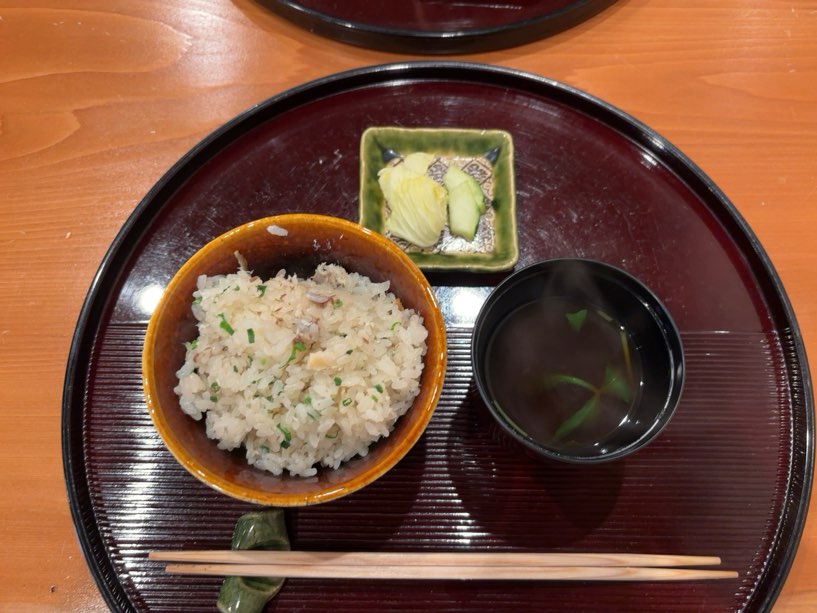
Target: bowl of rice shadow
<point x="293" y="360"/>
<point x="577" y="360"/>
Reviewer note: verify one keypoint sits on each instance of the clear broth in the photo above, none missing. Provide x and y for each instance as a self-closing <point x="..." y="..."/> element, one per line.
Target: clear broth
<point x="553" y="358"/>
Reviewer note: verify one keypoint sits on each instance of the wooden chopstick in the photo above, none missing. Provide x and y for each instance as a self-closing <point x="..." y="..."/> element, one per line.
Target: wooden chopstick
<point x="443" y="565"/>
<point x="433" y="558"/>
<point x="492" y="573"/>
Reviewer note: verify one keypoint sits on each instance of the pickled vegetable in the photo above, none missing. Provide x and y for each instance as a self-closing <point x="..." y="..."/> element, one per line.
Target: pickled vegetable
<point x="466" y="203"/>
<point x="418" y="207"/>
<point x="417" y="204"/>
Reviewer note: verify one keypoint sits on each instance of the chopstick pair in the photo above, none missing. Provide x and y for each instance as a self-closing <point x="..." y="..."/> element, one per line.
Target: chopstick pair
<point x="443" y="565"/>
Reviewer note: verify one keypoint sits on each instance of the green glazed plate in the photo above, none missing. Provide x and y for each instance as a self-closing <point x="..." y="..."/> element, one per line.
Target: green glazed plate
<point x="487" y="155"/>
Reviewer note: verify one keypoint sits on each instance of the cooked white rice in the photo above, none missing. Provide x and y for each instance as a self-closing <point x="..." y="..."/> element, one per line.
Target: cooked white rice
<point x="300" y="371"/>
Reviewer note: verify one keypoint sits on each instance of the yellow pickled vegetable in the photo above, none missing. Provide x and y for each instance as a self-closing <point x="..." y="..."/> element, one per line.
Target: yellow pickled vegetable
<point x="418" y="162"/>
<point x="418" y="205"/>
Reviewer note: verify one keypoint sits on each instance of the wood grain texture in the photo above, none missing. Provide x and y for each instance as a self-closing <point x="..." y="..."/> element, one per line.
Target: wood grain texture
<point x="98" y="99"/>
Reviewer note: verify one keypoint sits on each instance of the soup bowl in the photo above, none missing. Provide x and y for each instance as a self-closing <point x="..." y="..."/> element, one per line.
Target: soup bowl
<point x="577" y="360"/>
<point x="297" y="243"/>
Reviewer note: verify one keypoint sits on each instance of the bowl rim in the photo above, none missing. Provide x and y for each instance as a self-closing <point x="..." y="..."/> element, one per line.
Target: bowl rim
<point x="651" y="303"/>
<point x="412" y="435"/>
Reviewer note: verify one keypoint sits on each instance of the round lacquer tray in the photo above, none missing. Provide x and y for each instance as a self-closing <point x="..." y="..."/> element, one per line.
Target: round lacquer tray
<point x="434" y="27"/>
<point x="729" y="476"/>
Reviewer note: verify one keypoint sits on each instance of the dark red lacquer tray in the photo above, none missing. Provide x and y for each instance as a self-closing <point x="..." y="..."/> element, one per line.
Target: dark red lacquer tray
<point x="729" y="476"/>
<point x="434" y="26"/>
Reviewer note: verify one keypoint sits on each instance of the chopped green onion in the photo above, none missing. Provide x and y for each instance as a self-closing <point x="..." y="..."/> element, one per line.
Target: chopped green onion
<point x="551" y="380"/>
<point x="261" y="289"/>
<point x="337" y="303"/>
<point x="312" y="414"/>
<point x="215" y="386"/>
<point x="394" y="325"/>
<point x="576" y="320"/>
<point x="296" y="346"/>
<point x="225" y="326"/>
<point x="576" y="420"/>
<point x="197" y="300"/>
<point x="307" y="399"/>
<point x="287" y="436"/>
<point x="213" y="398"/>
<point x="335" y="435"/>
<point x="346" y="402"/>
<point x="379" y="388"/>
<point x="250" y="335"/>
<point x="264" y="448"/>
<point x="269" y="398"/>
<point x="615" y="385"/>
<point x="374" y="397"/>
<point x="192" y="344"/>
<point x="235" y="368"/>
<point x="349" y="351"/>
<point x="338" y="380"/>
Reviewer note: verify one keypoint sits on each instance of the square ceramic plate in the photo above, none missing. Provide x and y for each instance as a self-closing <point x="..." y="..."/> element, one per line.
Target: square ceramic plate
<point x="487" y="155"/>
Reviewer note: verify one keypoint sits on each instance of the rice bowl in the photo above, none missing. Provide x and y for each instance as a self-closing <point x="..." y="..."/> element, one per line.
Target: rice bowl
<point x="297" y="243"/>
<point x="300" y="371"/>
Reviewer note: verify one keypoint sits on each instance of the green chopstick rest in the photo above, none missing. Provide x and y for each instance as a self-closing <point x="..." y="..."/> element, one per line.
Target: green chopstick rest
<point x="258" y="530"/>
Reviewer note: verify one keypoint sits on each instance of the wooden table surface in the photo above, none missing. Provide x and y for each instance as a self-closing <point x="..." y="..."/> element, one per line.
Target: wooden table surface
<point x="99" y="98"/>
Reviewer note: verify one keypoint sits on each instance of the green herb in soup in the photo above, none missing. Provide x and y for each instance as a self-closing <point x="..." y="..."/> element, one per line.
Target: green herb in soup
<point x="566" y="374"/>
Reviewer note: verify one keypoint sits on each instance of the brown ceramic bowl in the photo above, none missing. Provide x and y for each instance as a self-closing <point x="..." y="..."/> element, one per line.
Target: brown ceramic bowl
<point x="310" y="239"/>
